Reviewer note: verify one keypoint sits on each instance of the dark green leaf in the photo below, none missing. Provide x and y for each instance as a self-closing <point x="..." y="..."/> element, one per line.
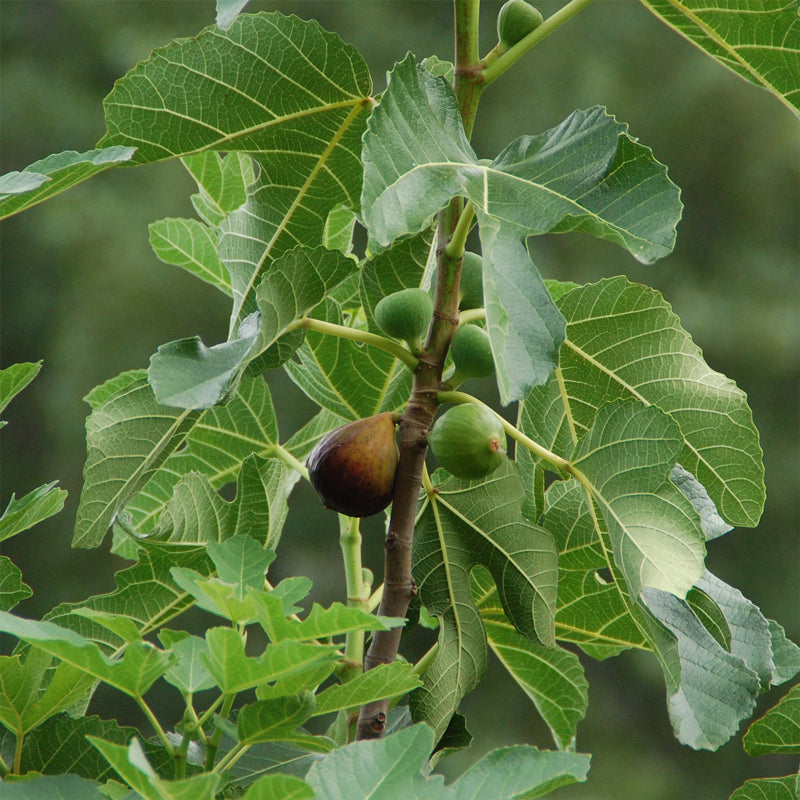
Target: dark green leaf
<point x="14" y="379"/>
<point x="768" y="789"/>
<point x="25" y="512"/>
<point x="274" y="719"/>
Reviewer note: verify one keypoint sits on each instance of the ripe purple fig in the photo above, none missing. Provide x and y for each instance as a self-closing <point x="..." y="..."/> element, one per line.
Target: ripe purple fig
<point x="352" y="468"/>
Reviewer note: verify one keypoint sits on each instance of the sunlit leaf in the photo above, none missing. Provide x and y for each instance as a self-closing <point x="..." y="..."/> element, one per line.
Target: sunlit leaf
<point x="627" y="457"/>
<point x="25" y="512"/>
<point x="12" y="587"/>
<point x="383" y="681"/>
<point x="758" y="39"/>
<point x="274" y="719"/>
<point x="15" y="378"/>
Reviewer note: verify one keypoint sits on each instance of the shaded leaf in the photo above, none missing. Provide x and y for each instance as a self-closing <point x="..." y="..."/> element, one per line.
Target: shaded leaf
<point x="53" y="787"/>
<point x="464" y="524"/>
<point x="593" y="611"/>
<point x="279" y="787"/>
<point x="54" y="174"/>
<point x="768" y="789"/>
<point x="551" y="677"/>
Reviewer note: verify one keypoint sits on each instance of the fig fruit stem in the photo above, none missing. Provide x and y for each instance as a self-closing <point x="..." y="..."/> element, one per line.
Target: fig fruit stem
<point x="457" y="245"/>
<point x="471" y="315"/>
<point x="399" y="586"/>
<point x="497" y="66"/>
<point x="515" y="433"/>
<point x="356" y="335"/>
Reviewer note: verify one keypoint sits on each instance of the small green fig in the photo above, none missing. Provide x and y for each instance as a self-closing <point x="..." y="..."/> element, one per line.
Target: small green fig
<point x="515" y="20"/>
<point x="469" y="441"/>
<point x="352" y="468"/>
<point x="405" y="315"/>
<point x="471" y="285"/>
<point x="472" y="353"/>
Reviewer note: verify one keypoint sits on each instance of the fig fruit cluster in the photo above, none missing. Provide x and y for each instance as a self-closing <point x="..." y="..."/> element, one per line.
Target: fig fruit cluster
<point x="469" y="441"/>
<point x="352" y="468"/>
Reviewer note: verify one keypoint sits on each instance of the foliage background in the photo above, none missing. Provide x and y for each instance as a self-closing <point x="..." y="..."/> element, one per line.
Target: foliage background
<point x="82" y="289"/>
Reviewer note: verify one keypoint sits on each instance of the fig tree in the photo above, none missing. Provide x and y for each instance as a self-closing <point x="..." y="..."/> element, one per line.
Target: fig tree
<point x="515" y="20"/>
<point x="472" y="354"/>
<point x="352" y="468"/>
<point x="471" y="285"/>
<point x="469" y="441"/>
<point x="405" y="315"/>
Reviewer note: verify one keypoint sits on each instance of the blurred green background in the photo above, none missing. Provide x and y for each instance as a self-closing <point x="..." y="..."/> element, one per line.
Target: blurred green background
<point x="82" y="290"/>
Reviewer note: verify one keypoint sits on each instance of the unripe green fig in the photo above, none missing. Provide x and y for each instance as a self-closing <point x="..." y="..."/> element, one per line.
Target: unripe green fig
<point x="469" y="441"/>
<point x="405" y="315"/>
<point x="352" y="468"/>
<point x="472" y="353"/>
<point x="471" y="285"/>
<point x="515" y="20"/>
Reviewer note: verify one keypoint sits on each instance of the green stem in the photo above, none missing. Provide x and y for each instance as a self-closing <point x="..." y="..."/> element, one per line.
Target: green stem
<point x="357" y="335"/>
<point x="495" y="69"/>
<point x="515" y="433"/>
<point x="471" y="315"/>
<point x="216" y="737"/>
<point x="20" y="739"/>
<point x="421" y="667"/>
<point x="358" y="591"/>
<point x="4" y="770"/>
<point x="457" y="244"/>
<point x="151" y="718"/>
<point x="231" y="757"/>
<point x="468" y="82"/>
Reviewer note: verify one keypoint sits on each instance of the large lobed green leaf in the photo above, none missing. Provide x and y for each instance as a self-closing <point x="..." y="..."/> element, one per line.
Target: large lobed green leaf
<point x="758" y="39"/>
<point x="465" y="524"/>
<point x="624" y="341"/>
<point x="417" y="157"/>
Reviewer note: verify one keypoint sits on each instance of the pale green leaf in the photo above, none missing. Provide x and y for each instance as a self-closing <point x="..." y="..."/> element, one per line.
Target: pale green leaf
<point x="626" y="459"/>
<point x="464" y="524"/>
<point x="29" y="510"/>
<point x="192" y="246"/>
<point x="214" y="596"/>
<point x="234" y="671"/>
<point x="241" y="562"/>
<point x="551" y="677"/>
<point x="624" y="341"/>
<point x="12" y="587"/>
<point x="381" y="682"/>
<point x="273" y="719"/>
<point x="592" y="610"/>
<point x="14" y="379"/>
<point x="139" y="667"/>
<point x="53" y="787"/>
<point x="785" y="653"/>
<point x="228" y="10"/>
<point x="302" y="441"/>
<point x="325" y="367"/>
<point x="132" y="766"/>
<point x="709" y="690"/>
<point x="338" y="232"/>
<point x="54" y="174"/>
<point x="778" y="730"/>
<point x="320" y="623"/>
<point x="785" y="788"/>
<point x="222" y="181"/>
<point x="758" y="39"/>
<point x="187" y="374"/>
<point x="188" y="673"/>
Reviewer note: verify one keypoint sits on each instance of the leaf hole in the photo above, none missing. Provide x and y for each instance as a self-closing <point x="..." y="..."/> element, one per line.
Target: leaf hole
<point x="603" y="576"/>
